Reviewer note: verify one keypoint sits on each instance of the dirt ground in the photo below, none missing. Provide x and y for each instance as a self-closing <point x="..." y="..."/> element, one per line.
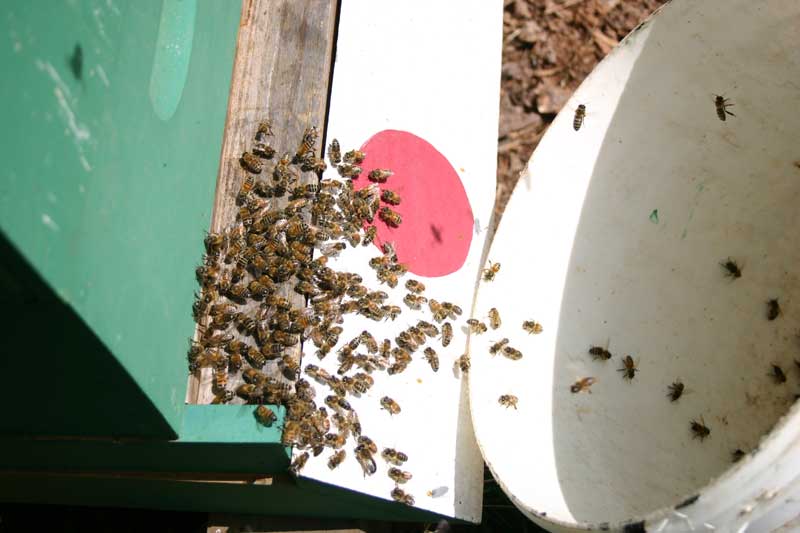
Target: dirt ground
<point x="549" y="47"/>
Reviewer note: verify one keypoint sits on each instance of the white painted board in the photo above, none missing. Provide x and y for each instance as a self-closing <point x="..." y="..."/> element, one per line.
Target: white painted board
<point x="431" y="69"/>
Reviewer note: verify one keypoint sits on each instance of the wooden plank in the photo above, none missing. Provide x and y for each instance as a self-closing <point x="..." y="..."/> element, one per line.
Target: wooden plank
<point x="431" y="69"/>
<point x="222" y="523"/>
<point x="281" y="72"/>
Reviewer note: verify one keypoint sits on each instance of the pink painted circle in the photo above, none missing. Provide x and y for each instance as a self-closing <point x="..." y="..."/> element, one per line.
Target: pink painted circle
<point x="436" y="232"/>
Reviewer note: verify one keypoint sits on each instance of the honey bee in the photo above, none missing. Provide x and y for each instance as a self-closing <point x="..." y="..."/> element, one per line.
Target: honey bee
<point x="336" y="459"/>
<point x="238" y="292"/>
<point x="222" y="397"/>
<point x="629" y="368"/>
<point x="290" y="367"/>
<point x="391" y="218"/>
<point x="220" y="379"/>
<point x="265" y="415"/>
<point x="347" y="170"/>
<point x="255" y="357"/>
<point x="699" y="429"/>
<point x="463" y="363"/>
<point x="580" y="114"/>
<point x="253" y="376"/>
<point x="390" y="197"/>
<point x="388" y="277"/>
<point x="494" y="318"/>
<point x="298" y="463"/>
<point x="390" y="405"/>
<point x="235" y="362"/>
<point x="248" y="391"/>
<point x="399" y="476"/>
<point x="354" y="156"/>
<point x="512" y="353"/>
<point x="391" y="311"/>
<point x="476" y="326"/>
<point x="415" y="286"/>
<point x="432" y="358"/>
<point x="598" y="352"/>
<point x="490" y="273"/>
<point x="413" y="301"/>
<point x="675" y="391"/>
<point x="732" y="269"/>
<point x="332" y="249"/>
<point x="365" y="460"/>
<point x="777" y="374"/>
<point x="369" y="235"/>
<point x="264" y="130"/>
<point x="583" y="384"/>
<point x="722" y="105"/>
<point x="244" y="190"/>
<point x="508" y="400"/>
<point x="773" y="309"/>
<point x="497" y="346"/>
<point x="399" y="495"/>
<point x="334" y="440"/>
<point x="263" y="150"/>
<point x="368" y="341"/>
<point x="334" y="152"/>
<point x="390" y="455"/>
<point x="532" y="327"/>
<point x="737" y="455"/>
<point x="447" y="334"/>
<point x="214" y="243"/>
<point x="380" y="175"/>
<point x="427" y="328"/>
<point x="291" y="433"/>
<point x="307" y="144"/>
<point x="251" y="163"/>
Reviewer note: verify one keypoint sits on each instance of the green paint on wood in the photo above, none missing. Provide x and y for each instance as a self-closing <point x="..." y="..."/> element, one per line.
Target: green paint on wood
<point x="654" y="216"/>
<point x="105" y="199"/>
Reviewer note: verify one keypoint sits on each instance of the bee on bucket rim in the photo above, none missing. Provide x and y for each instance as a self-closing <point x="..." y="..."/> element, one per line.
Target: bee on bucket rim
<point x="583" y="384"/>
<point x="390" y="405"/>
<point x="580" y="114"/>
<point x="732" y="269"/>
<point x="447" y="334"/>
<point x="773" y="309"/>
<point x="722" y="105"/>
<point x="675" y="390"/>
<point x="508" y="400"/>
<point x="699" y="429"/>
<point x="494" y="318"/>
<point x="432" y="357"/>
<point x="629" y="368"/>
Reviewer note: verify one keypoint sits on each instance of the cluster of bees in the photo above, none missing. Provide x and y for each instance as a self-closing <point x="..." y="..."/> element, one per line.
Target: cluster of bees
<point x="250" y="333"/>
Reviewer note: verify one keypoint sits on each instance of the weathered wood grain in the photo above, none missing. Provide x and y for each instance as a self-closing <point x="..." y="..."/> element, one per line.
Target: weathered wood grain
<point x="281" y="72"/>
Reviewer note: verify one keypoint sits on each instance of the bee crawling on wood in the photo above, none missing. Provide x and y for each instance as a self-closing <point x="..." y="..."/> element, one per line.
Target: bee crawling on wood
<point x="699" y="429"/>
<point x="583" y="384"/>
<point x="580" y="114"/>
<point x="675" y="391"/>
<point x="508" y="400"/>
<point x="732" y="269"/>
<point x="251" y="163"/>
<point x="490" y="273"/>
<point x="777" y="374"/>
<point x="629" y="368"/>
<point x="722" y="105"/>
<point x="773" y="309"/>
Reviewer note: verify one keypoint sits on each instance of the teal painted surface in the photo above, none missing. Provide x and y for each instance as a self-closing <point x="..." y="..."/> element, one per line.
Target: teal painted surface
<point x="229" y="423"/>
<point x="107" y="201"/>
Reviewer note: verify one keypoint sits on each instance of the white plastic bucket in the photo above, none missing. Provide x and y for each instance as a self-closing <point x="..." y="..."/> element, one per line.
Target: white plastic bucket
<point x="614" y="237"/>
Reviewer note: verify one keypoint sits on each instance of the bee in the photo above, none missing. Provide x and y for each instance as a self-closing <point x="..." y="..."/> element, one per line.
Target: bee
<point x="580" y="114"/>
<point x="369" y="235"/>
<point x="737" y="455"/>
<point x="214" y="243"/>
<point x="512" y="353"/>
<point x="235" y="362"/>
<point x="390" y="455"/>
<point x="255" y="357"/>
<point x="368" y="341"/>
<point x="390" y="405"/>
<point x="388" y="277"/>
<point x="490" y="273"/>
<point x="264" y="151"/>
<point x="427" y="328"/>
<point x="399" y="495"/>
<point x="598" y="352"/>
<point x="391" y="311"/>
<point x="497" y="346"/>
<point x="629" y="368"/>
<point x="307" y="144"/>
<point x="248" y="391"/>
<point x="432" y="358"/>
<point x="390" y="197"/>
<point x="291" y="433"/>
<point x="414" y="302"/>
<point x="244" y="190"/>
<point x="773" y="309"/>
<point x="722" y="105"/>
<point x="335" y="440"/>
<point x="732" y="268"/>
<point x="336" y="459"/>
<point x="476" y="326"/>
<point x="508" y="400"/>
<point x="265" y="415"/>
<point x="380" y="175"/>
<point x="463" y="363"/>
<point x="447" y="334"/>
<point x="494" y="318"/>
<point x="391" y="218"/>
<point x="222" y="397"/>
<point x="415" y="286"/>
<point x="532" y="327"/>
<point x="334" y="152"/>
<point x="264" y="130"/>
<point x="354" y="156"/>
<point x="238" y="292"/>
<point x="298" y="463"/>
<point x="220" y="379"/>
<point x="368" y="444"/>
<point x="583" y="384"/>
<point x="675" y="391"/>
<point x="251" y="163"/>
<point x="332" y="249"/>
<point x="777" y="375"/>
<point x="399" y="476"/>
<point x="346" y="170"/>
<point x="699" y="429"/>
<point x="290" y="367"/>
<point x="365" y="460"/>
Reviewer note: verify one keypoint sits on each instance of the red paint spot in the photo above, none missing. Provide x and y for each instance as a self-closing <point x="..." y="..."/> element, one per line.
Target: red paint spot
<point x="436" y="232"/>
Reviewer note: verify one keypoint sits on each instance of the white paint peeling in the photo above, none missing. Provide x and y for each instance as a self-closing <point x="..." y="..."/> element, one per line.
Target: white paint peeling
<point x="79" y="131"/>
<point x="110" y="5"/>
<point x="52" y="198"/>
<point x="85" y="164"/>
<point x="50" y="70"/>
<point x="49" y="222"/>
<point x="102" y="75"/>
<point x="101" y="28"/>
